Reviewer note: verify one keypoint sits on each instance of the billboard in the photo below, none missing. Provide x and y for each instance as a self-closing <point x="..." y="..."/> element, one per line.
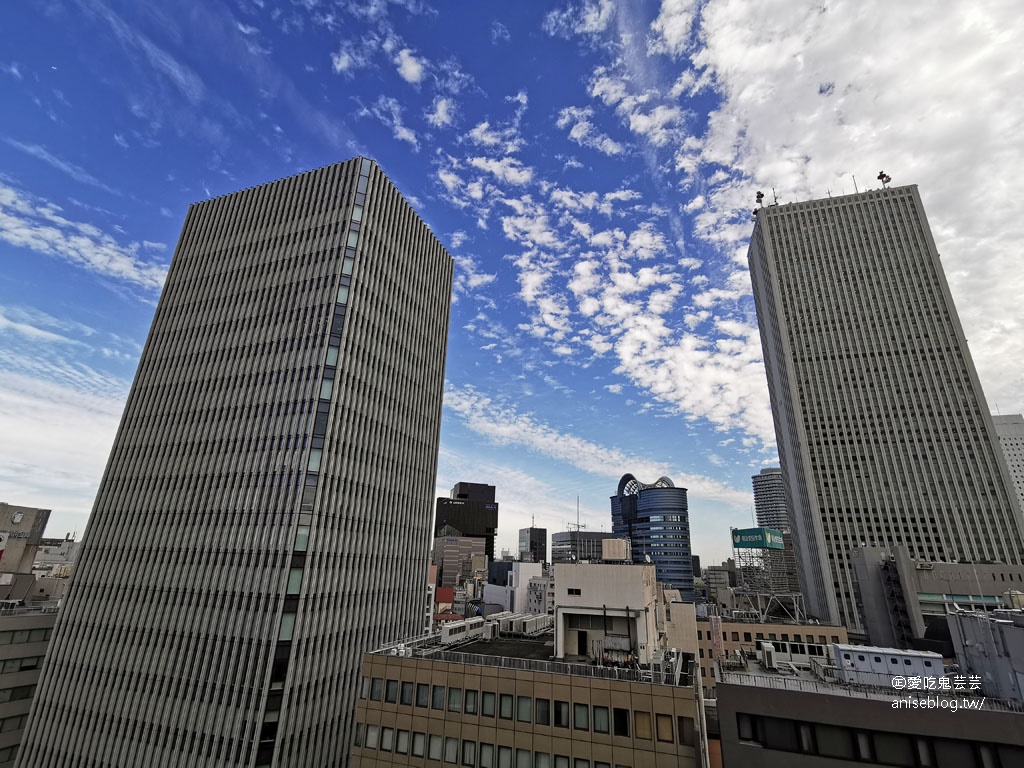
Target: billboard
<point x="756" y="538"/>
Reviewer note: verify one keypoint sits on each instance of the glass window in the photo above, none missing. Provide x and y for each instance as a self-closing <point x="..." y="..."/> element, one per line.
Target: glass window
<point x="353" y="239"/>
<point x="407" y="694"/>
<point x="663" y="723"/>
<point x="302" y="538"/>
<point x="294" y="581"/>
<point x="437" y="702"/>
<point x="402" y="742"/>
<point x="451" y="750"/>
<point x="346" y="266"/>
<point x="332" y="356"/>
<point x="422" y="694"/>
<point x="391" y="692"/>
<point x="642" y="724"/>
<point x="343" y="294"/>
<point x="359" y="734"/>
<point x="504" y="757"/>
<point x="580" y="762"/>
<point x="745" y="726"/>
<point x="581" y="717"/>
<point x="505" y="706"/>
<point x="418" y="743"/>
<point x="287" y="627"/>
<point x="364" y="688"/>
<point x="486" y="755"/>
<point x="601" y="719"/>
<point x="685" y="726"/>
<point x="562" y="714"/>
<point x="326" y="388"/>
<point x="357" y="213"/>
<point x="387" y="739"/>
<point x="469" y="753"/>
<point x="542" y="712"/>
<point x="315" y="454"/>
<point x="377" y="689"/>
<point x="372" y="735"/>
<point x="833" y="741"/>
<point x="487" y="704"/>
<point x="454" y="699"/>
<point x="434" y="746"/>
<point x="469" y="703"/>
<point x="561" y="761"/>
<point x="523" y="759"/>
<point x="361" y="186"/>
<point x="364" y="166"/>
<point x="541" y="760"/>
<point x="524" y="709"/>
<point x="620" y="720"/>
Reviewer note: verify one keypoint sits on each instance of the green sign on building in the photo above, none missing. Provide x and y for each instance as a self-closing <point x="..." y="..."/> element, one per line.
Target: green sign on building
<point x="756" y="538"/>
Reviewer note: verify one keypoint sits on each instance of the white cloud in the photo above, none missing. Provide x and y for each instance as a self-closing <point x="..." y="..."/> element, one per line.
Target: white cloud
<point x="38" y="226"/>
<point x="587" y="18"/>
<point x="671" y="30"/>
<point x="389" y="112"/>
<point x="442" y="113"/>
<point x="410" y="68"/>
<point x="70" y="169"/>
<point x="507" y="169"/>
<point x="13" y="69"/>
<point x="585" y="133"/>
<point x="499" y="33"/>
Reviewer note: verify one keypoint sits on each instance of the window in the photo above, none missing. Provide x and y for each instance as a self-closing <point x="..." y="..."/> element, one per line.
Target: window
<point x="287" y="627"/>
<point x="745" y="726"/>
<point x="391" y="692"/>
<point x="685" y="727"/>
<point x="620" y="721"/>
<point x="469" y="703"/>
<point x="601" y="719"/>
<point x="580" y="762"/>
<point x="581" y="717"/>
<point x="422" y="694"/>
<point x="451" y="750"/>
<point x="294" y="581"/>
<point x="524" y="709"/>
<point x="487" y="705"/>
<point x="746" y="637"/>
<point x="542" y="712"/>
<point x="434" y="747"/>
<point x="359" y="734"/>
<point x="523" y="759"/>
<point x="541" y="760"/>
<point x="437" y="699"/>
<point x="469" y="753"/>
<point x="402" y="742"/>
<point x="377" y="689"/>
<point x="561" y="761"/>
<point x="561" y="714"/>
<point x="372" y="736"/>
<point x="486" y="756"/>
<point x="418" y="742"/>
<point x="642" y="723"/>
<point x="407" y="694"/>
<point x="735" y="637"/>
<point x="505" y="706"/>
<point x="575" y="592"/>
<point x="454" y="699"/>
<point x="504" y="757"/>
<point x="387" y="739"/>
<point x="663" y="723"/>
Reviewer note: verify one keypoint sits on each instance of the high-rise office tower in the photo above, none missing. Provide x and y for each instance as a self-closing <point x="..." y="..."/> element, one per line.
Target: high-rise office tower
<point x="472" y="510"/>
<point x="770" y="499"/>
<point x="1010" y="431"/>
<point x="881" y="423"/>
<point x="655" y="518"/>
<point x="533" y="544"/>
<point x="264" y="517"/>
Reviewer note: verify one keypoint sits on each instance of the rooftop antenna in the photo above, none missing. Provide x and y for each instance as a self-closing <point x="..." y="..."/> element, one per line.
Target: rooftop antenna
<point x="885" y="178"/>
<point x="855" y="184"/>
<point x="775" y="196"/>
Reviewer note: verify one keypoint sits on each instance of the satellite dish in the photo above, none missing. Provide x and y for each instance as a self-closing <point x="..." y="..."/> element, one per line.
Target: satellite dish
<point x="648" y="558"/>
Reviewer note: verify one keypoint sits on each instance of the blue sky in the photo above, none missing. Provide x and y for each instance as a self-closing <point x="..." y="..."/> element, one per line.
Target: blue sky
<point x="590" y="165"/>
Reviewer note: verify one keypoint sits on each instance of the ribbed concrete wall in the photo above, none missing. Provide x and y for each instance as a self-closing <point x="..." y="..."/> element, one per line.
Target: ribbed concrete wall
<point x="881" y="422"/>
<point x="265" y="513"/>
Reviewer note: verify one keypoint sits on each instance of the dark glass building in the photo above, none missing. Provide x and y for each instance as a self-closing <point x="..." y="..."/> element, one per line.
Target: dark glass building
<point x="471" y="510"/>
<point x="533" y="544"/>
<point x="655" y="517"/>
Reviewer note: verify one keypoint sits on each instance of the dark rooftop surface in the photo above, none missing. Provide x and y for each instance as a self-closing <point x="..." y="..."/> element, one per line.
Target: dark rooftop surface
<point x="541" y="649"/>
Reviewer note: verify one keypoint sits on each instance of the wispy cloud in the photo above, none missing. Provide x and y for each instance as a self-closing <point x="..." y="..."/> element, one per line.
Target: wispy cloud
<point x="388" y="111"/>
<point x="77" y="173"/>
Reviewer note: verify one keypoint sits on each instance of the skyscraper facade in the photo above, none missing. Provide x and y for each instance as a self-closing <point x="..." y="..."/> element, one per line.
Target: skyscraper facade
<point x="655" y="518"/>
<point x="533" y="544"/>
<point x="1010" y="431"/>
<point x="881" y="423"/>
<point x="770" y="499"/>
<point x="265" y="514"/>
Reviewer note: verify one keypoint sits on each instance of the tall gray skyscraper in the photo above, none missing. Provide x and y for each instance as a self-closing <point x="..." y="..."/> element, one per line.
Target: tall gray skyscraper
<point x="881" y="423"/>
<point x="770" y="499"/>
<point x="1010" y="431"/>
<point x="264" y="517"/>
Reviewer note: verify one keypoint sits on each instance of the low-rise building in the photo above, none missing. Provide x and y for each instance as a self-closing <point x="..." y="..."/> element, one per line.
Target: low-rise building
<point x="991" y="647"/>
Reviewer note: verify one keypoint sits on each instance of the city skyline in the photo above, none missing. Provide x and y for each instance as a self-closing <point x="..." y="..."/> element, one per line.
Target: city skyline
<point x="599" y="218"/>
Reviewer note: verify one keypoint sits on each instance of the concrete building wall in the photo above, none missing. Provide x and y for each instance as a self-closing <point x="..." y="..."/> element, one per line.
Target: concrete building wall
<point x="883" y="432"/>
<point x="24" y="640"/>
<point x="1010" y="432"/>
<point x="265" y="513"/>
<point x="21" y="530"/>
<point x="770" y="504"/>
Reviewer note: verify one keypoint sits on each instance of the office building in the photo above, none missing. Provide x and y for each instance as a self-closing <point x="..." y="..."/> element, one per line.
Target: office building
<point x="656" y="519"/>
<point x="487" y="693"/>
<point x="577" y="545"/>
<point x="770" y="506"/>
<point x="776" y="715"/>
<point x="905" y="602"/>
<point x="453" y="556"/>
<point x="264" y="517"/>
<point x="990" y="647"/>
<point x="533" y="544"/>
<point x="882" y="428"/>
<point x="471" y="509"/>
<point x="1010" y="432"/>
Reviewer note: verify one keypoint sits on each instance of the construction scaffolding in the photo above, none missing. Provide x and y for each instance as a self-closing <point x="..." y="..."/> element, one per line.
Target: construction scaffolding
<point x="763" y="580"/>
